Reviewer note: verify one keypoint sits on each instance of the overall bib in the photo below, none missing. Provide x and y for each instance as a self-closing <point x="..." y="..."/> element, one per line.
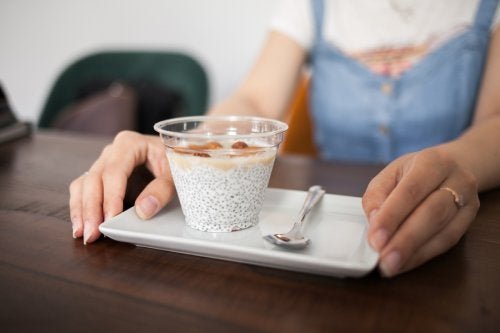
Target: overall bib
<point x="362" y="116"/>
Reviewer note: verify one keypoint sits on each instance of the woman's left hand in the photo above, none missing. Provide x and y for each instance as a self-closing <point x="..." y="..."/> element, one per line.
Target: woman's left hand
<point x="418" y="207"/>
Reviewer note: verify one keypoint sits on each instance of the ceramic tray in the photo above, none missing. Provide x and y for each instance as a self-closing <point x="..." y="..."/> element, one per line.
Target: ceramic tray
<point x="336" y="227"/>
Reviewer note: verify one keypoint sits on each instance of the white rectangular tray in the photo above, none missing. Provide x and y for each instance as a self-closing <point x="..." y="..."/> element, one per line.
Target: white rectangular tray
<point x="336" y="227"/>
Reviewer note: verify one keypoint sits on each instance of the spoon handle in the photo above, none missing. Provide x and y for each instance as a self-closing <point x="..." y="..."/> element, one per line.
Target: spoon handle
<point x="314" y="194"/>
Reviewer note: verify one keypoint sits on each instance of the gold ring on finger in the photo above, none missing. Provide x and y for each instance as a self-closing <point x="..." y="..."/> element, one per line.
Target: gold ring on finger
<point x="457" y="198"/>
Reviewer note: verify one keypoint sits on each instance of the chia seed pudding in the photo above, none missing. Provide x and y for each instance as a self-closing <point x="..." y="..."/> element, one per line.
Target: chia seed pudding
<point x="221" y="166"/>
<point x="221" y="194"/>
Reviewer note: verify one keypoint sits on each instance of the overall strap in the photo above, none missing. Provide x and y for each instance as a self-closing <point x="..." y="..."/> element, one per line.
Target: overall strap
<point x="318" y="14"/>
<point x="484" y="14"/>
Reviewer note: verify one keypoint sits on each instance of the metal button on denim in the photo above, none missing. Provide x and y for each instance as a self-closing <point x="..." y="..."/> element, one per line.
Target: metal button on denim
<point x="384" y="129"/>
<point x="386" y="88"/>
<point x="431" y="103"/>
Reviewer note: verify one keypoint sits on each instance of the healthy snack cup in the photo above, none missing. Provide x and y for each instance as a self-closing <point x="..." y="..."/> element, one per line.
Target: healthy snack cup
<point x="221" y="167"/>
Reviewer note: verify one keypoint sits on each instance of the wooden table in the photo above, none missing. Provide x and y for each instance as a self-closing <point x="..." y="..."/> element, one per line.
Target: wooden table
<point x="51" y="282"/>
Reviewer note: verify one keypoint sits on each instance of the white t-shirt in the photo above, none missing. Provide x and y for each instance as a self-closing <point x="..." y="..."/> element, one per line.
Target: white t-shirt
<point x="389" y="36"/>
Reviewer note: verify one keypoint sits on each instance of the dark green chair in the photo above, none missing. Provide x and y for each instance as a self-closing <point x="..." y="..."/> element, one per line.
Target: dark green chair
<point x="177" y="71"/>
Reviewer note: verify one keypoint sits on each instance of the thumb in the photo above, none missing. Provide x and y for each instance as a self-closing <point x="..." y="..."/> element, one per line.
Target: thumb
<point x="154" y="197"/>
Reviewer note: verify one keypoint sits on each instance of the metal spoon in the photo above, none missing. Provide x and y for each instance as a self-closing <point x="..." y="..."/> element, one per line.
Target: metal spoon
<point x="294" y="238"/>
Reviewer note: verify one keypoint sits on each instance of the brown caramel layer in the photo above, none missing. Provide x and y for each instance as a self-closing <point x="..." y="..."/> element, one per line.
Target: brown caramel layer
<point x="209" y="149"/>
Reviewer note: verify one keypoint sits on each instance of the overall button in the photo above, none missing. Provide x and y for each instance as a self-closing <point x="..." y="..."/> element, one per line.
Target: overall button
<point x="386" y="88"/>
<point x="383" y="129"/>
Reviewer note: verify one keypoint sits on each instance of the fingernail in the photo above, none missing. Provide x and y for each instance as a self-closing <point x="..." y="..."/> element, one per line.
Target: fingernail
<point x="390" y="264"/>
<point x="75" y="226"/>
<point x="107" y="216"/>
<point x="147" y="207"/>
<point x="378" y="240"/>
<point x="75" y="229"/>
<point x="87" y="232"/>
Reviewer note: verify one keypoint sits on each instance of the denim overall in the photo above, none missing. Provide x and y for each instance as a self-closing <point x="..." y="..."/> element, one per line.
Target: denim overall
<point x="362" y="116"/>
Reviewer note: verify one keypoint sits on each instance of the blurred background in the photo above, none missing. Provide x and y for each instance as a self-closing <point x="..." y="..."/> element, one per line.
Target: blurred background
<point x="39" y="39"/>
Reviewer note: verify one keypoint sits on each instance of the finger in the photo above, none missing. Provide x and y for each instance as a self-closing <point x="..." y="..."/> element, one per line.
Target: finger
<point x="379" y="189"/>
<point x="430" y="218"/>
<point x="114" y="187"/>
<point x="75" y="206"/>
<point x="444" y="240"/>
<point x="92" y="206"/>
<point x="427" y="220"/>
<point x="128" y="151"/>
<point x="154" y="197"/>
<point x="410" y="191"/>
<point x="116" y="171"/>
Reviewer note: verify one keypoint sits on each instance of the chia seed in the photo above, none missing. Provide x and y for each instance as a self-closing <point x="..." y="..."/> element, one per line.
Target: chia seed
<point x="221" y="194"/>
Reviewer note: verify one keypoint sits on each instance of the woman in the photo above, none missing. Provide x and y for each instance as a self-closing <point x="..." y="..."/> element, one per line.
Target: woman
<point x="410" y="83"/>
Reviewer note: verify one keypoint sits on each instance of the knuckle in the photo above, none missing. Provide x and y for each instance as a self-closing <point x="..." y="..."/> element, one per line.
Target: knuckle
<point x="428" y="156"/>
<point x="369" y="198"/>
<point x="436" y="159"/>
<point x="111" y="172"/>
<point x="439" y="156"/>
<point x="124" y="136"/>
<point x="74" y="185"/>
<point x="107" y="149"/>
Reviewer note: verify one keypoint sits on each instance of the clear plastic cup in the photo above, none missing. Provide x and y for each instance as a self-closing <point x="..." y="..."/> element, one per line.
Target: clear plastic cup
<point x="221" y="167"/>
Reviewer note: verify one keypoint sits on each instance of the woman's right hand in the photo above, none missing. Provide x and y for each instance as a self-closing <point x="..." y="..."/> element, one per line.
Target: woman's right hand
<point x="99" y="193"/>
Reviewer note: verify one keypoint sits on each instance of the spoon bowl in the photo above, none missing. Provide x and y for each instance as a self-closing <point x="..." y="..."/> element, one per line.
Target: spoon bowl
<point x="294" y="239"/>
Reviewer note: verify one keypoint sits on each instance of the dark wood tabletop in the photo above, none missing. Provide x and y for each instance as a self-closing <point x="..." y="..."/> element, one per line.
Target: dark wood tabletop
<point x="51" y="282"/>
